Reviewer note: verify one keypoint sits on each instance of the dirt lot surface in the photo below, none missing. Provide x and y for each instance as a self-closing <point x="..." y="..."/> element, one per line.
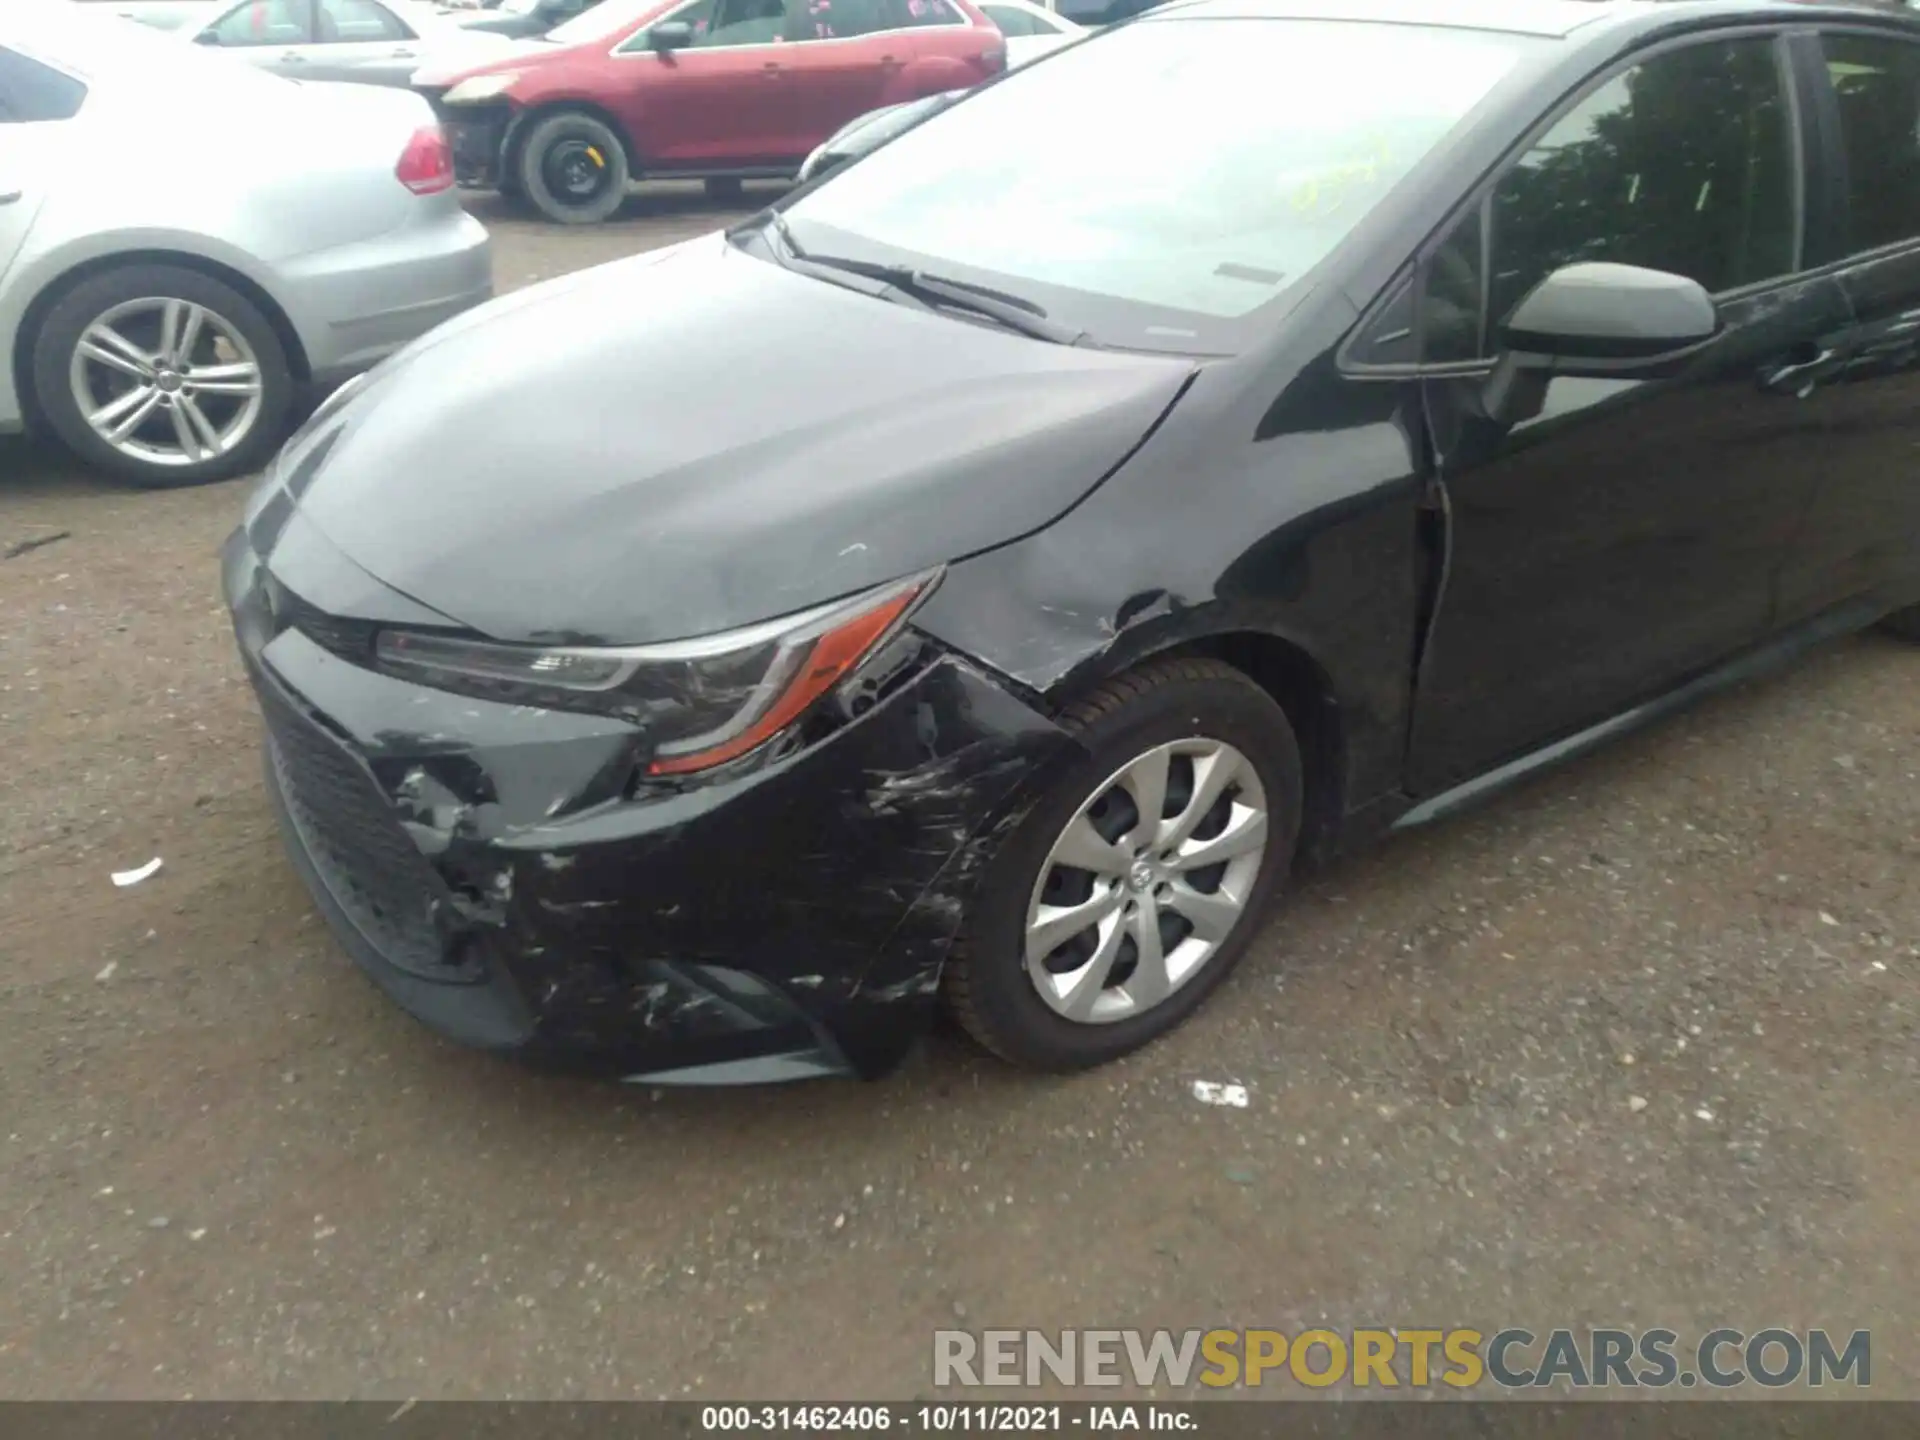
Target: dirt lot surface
<point x="1635" y="1046"/>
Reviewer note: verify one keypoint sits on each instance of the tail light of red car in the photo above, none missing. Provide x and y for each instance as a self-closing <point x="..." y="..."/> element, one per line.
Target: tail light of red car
<point x="426" y="165"/>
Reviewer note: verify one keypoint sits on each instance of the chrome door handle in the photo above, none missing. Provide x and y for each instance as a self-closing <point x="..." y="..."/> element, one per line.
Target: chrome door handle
<point x="1799" y="379"/>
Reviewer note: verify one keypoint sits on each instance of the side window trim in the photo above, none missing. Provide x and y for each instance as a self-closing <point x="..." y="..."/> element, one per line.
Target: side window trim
<point x="1781" y="36"/>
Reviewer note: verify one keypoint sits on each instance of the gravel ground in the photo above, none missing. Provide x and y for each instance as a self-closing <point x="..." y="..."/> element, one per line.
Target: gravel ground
<point x="1633" y="1046"/>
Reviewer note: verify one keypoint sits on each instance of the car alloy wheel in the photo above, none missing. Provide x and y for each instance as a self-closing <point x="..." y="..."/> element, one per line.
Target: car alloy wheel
<point x="1137" y="874"/>
<point x="1146" y="881"/>
<point x="162" y="374"/>
<point x="164" y="381"/>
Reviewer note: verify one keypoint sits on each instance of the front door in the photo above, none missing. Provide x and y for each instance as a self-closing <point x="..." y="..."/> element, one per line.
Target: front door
<point x="1629" y="536"/>
<point x="359" y="40"/>
<point x="272" y="34"/>
<point x="722" y="102"/>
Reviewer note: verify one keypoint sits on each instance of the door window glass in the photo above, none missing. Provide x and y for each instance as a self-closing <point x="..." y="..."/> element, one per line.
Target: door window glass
<point x="844" y="19"/>
<point x="266" y="22"/>
<point x="911" y="14"/>
<point x="356" y="22"/>
<point x="1877" y="81"/>
<point x="31" y="92"/>
<point x="697" y="17"/>
<point x="1683" y="164"/>
<point x="743" y="22"/>
<point x="1453" y="302"/>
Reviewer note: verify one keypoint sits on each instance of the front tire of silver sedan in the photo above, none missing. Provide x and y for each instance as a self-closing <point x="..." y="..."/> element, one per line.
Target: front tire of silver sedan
<point x="162" y="376"/>
<point x="1138" y="880"/>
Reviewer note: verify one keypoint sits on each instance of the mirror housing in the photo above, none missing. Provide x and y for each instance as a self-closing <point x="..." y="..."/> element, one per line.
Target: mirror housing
<point x="670" y="35"/>
<point x="207" y="37"/>
<point x="1598" y="321"/>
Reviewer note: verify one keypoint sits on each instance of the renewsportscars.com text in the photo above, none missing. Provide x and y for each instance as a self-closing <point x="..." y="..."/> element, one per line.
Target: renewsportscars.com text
<point x="1513" y="1359"/>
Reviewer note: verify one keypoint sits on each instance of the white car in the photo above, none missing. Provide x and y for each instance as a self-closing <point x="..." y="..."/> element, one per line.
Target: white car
<point x="368" y="42"/>
<point x="1031" y="30"/>
<point x="159" y="319"/>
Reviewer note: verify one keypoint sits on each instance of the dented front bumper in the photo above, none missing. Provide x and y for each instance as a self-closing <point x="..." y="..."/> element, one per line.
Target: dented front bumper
<point x="492" y="869"/>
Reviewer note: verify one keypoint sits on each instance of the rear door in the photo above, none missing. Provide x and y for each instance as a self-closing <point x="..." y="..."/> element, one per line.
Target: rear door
<point x="720" y="103"/>
<point x="360" y="40"/>
<point x="37" y="104"/>
<point x="1860" y="542"/>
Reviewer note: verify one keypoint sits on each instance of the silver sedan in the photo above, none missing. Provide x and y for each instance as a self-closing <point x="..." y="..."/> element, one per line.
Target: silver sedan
<point x="160" y="320"/>
<point x="369" y="42"/>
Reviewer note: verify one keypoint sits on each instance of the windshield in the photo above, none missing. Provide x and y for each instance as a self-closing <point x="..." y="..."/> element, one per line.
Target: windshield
<point x="607" y="18"/>
<point x="1189" y="170"/>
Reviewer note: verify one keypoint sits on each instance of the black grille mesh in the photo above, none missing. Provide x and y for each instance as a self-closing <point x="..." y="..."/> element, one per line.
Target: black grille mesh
<point x="354" y="838"/>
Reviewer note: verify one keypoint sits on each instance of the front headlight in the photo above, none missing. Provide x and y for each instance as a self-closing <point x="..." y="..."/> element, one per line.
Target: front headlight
<point x="480" y="87"/>
<point x="702" y="702"/>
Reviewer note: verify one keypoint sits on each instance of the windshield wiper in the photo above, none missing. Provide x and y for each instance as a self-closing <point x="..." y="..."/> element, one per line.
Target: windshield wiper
<point x="794" y="256"/>
<point x="906" y="285"/>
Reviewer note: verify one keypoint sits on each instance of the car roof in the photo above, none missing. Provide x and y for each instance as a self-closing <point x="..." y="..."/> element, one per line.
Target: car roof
<point x="1555" y="19"/>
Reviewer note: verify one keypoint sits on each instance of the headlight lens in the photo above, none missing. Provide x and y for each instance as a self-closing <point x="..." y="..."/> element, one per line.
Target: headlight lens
<point x="480" y="87"/>
<point x="702" y="702"/>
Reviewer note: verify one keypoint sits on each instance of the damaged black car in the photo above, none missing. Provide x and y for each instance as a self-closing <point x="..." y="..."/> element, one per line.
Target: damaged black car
<point x="985" y="577"/>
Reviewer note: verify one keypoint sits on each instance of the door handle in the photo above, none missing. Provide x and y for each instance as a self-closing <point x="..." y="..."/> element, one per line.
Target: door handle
<point x="772" y="70"/>
<point x="1805" y="369"/>
<point x="402" y="52"/>
<point x="292" y="57"/>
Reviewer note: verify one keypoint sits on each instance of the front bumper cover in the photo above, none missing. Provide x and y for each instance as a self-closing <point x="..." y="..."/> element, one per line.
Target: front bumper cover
<point x="488" y="867"/>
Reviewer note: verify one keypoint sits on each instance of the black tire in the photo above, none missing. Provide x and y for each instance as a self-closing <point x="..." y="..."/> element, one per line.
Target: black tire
<point x="1903" y="623"/>
<point x="58" y="337"/>
<point x="572" y="142"/>
<point x="985" y="982"/>
<point x="725" y="190"/>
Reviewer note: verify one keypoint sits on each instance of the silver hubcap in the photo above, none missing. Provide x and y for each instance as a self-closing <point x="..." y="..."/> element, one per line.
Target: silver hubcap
<point x="1147" y="881"/>
<point x="166" y="381"/>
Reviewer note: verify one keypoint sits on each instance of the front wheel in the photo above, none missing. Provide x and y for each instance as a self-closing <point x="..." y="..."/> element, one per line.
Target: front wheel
<point x="572" y="168"/>
<point x="1137" y="882"/>
<point x="162" y="375"/>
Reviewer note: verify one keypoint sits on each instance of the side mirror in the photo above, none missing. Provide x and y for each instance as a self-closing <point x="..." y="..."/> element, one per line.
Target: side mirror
<point x="670" y="35"/>
<point x="1598" y="321"/>
<point x="207" y="37"/>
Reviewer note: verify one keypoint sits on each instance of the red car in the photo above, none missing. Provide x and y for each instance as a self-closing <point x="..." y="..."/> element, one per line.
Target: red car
<point x="718" y="90"/>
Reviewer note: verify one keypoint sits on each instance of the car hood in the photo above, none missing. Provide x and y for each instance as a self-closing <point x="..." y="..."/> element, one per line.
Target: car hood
<point x="698" y="439"/>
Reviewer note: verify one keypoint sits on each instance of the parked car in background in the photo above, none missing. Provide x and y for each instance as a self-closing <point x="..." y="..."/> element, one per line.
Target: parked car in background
<point x="1031" y="30"/>
<point x="526" y="19"/>
<point x="718" y="90"/>
<point x="160" y="325"/>
<point x="988" y="576"/>
<point x="366" y="42"/>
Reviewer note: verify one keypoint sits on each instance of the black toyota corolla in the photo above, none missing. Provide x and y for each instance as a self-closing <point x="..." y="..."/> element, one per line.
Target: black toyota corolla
<point x="989" y="574"/>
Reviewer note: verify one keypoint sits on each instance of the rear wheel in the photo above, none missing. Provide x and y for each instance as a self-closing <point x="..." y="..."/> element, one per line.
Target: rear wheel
<point x="162" y="375"/>
<point x="1137" y="882"/>
<point x="572" y="168"/>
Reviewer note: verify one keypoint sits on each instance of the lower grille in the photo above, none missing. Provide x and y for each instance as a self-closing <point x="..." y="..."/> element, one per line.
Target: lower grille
<point x="354" y="839"/>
